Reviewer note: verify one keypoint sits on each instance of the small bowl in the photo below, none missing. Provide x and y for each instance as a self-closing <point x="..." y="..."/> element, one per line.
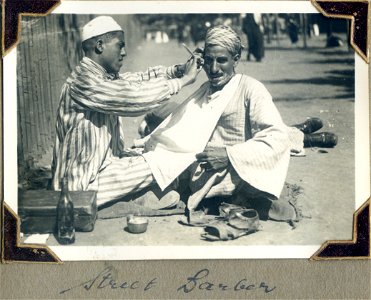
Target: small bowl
<point x="137" y="224"/>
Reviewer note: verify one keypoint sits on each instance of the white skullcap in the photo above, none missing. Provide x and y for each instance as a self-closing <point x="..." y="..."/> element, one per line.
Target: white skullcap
<point x="99" y="25"/>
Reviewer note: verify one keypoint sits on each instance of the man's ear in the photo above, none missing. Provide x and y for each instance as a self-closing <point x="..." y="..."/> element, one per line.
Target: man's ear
<point x="99" y="46"/>
<point x="236" y="59"/>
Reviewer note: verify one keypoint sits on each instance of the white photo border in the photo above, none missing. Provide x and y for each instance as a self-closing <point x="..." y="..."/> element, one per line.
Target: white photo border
<point x="75" y="253"/>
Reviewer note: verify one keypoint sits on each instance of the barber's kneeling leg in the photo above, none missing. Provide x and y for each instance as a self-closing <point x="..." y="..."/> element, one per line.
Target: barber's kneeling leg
<point x="123" y="176"/>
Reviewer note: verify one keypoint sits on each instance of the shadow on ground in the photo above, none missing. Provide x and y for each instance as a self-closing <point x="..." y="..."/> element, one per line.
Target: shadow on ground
<point x="329" y="80"/>
<point x="341" y="78"/>
<point x="347" y="61"/>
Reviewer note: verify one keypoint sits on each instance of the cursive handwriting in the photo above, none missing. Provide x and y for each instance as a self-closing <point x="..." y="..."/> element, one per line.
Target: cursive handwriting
<point x="105" y="280"/>
<point x="198" y="281"/>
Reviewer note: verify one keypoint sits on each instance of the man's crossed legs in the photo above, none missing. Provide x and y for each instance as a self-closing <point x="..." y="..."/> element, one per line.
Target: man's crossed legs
<point x="129" y="175"/>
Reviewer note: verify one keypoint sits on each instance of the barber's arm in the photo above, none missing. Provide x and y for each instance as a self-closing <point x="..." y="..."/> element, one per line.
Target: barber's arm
<point x="171" y="72"/>
<point x="127" y="97"/>
<point x="174" y="71"/>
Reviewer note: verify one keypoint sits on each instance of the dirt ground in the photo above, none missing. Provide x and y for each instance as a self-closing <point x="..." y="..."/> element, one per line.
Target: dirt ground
<point x="316" y="82"/>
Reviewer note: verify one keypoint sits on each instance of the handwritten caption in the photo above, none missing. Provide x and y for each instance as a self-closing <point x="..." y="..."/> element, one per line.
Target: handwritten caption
<point x="198" y="281"/>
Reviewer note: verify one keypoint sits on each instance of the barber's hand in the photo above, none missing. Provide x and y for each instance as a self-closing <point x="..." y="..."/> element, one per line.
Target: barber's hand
<point x="213" y="158"/>
<point x="199" y="54"/>
<point x="191" y="71"/>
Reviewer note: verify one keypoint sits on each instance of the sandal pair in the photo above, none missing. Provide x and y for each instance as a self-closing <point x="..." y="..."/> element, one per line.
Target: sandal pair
<point x="237" y="224"/>
<point x="200" y="218"/>
<point x="233" y="222"/>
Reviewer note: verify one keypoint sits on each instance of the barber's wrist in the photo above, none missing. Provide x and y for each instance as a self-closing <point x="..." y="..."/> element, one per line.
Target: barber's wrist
<point x="179" y="71"/>
<point x="175" y="71"/>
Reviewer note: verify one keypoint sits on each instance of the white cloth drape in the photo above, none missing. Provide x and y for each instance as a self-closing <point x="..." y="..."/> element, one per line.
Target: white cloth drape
<point x="172" y="147"/>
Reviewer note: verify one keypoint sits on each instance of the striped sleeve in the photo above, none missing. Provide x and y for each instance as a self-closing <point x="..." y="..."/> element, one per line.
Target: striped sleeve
<point x="154" y="72"/>
<point x="161" y="71"/>
<point x="150" y="73"/>
<point x="129" y="95"/>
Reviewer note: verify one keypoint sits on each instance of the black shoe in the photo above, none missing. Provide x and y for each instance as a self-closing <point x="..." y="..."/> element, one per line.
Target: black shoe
<point x="310" y="125"/>
<point x="321" y="139"/>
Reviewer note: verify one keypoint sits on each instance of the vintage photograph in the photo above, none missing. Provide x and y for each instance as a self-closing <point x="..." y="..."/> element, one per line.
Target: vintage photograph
<point x="185" y="129"/>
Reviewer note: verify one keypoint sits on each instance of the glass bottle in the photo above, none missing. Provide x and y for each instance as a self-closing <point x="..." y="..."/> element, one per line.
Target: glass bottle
<point x="65" y="217"/>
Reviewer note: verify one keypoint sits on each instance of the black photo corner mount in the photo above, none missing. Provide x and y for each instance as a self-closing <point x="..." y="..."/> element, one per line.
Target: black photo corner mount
<point x="358" y="248"/>
<point x="12" y="11"/>
<point x="358" y="13"/>
<point x="13" y="251"/>
<point x="355" y="10"/>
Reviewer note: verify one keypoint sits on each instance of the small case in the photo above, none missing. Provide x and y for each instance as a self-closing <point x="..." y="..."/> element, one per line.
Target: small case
<point x="38" y="210"/>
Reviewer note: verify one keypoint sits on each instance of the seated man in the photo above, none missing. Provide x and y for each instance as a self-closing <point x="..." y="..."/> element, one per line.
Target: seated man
<point x="227" y="137"/>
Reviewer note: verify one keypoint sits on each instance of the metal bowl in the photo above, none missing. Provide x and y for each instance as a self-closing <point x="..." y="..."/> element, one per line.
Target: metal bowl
<point x="137" y="224"/>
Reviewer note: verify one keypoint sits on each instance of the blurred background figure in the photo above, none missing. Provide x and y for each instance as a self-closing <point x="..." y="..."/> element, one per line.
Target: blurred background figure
<point x="293" y="30"/>
<point x="315" y="29"/>
<point x="251" y="27"/>
<point x="161" y="37"/>
<point x="269" y="26"/>
<point x="334" y="41"/>
<point x="198" y="31"/>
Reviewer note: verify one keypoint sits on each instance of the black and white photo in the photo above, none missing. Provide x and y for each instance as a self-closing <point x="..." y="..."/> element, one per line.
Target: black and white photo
<point x="156" y="132"/>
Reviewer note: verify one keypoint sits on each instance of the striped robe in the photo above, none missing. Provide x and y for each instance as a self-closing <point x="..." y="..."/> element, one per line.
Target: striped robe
<point x="88" y="128"/>
<point x="257" y="144"/>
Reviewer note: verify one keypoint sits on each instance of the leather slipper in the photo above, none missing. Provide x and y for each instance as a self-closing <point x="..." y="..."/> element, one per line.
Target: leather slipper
<point x="225" y="209"/>
<point x="282" y="211"/>
<point x="221" y="231"/>
<point x="246" y="219"/>
<point x="239" y="223"/>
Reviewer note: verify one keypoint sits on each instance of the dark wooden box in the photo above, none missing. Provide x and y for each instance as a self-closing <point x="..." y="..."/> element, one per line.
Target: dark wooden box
<point x="38" y="210"/>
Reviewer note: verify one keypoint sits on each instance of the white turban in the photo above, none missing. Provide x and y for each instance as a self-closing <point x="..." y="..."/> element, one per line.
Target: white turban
<point x="225" y="37"/>
<point x="99" y="25"/>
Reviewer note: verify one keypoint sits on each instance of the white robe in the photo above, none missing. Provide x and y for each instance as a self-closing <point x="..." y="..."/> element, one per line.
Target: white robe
<point x="257" y="144"/>
<point x="254" y="135"/>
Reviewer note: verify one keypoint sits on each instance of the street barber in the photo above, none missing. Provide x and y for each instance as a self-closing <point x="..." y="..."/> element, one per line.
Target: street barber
<point x="89" y="145"/>
<point x="227" y="138"/>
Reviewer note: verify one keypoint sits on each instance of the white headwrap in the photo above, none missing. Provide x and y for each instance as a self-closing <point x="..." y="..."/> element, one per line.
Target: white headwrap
<point x="224" y="36"/>
<point x="99" y="25"/>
